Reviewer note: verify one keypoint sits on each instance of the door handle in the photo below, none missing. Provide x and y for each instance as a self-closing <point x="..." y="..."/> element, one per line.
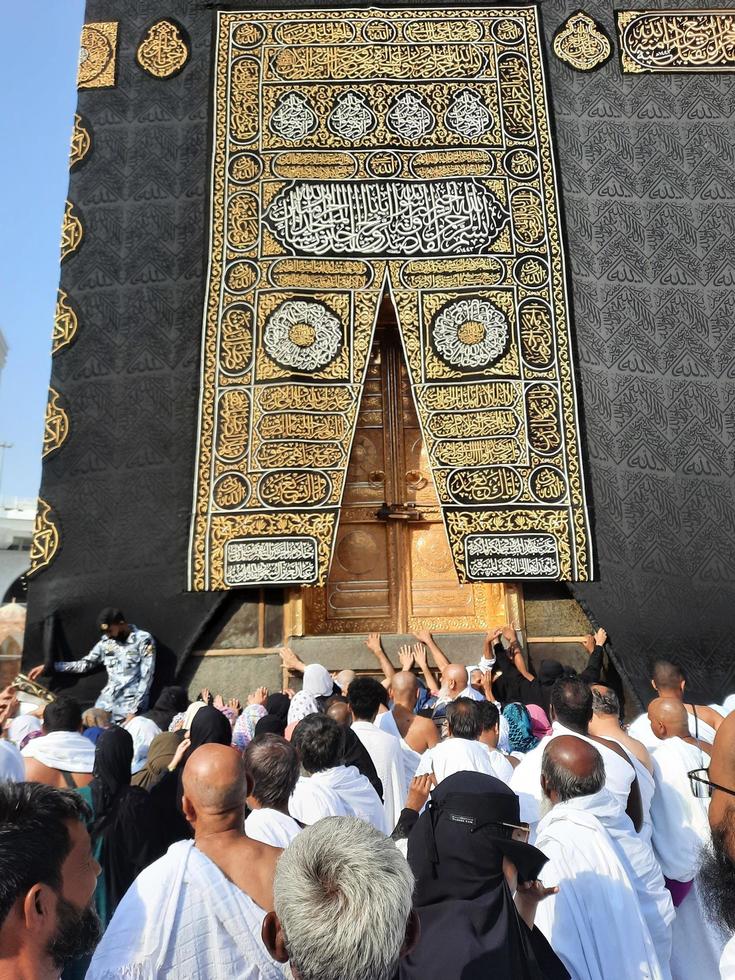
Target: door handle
<point x="399" y="512"/>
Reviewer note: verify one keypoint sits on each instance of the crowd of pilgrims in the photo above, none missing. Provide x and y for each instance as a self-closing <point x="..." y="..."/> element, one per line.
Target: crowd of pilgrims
<point x="490" y="821"/>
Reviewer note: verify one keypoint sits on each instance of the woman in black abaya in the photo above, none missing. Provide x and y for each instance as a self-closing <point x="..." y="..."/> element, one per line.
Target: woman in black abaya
<point x="466" y="857"/>
<point x="124" y="833"/>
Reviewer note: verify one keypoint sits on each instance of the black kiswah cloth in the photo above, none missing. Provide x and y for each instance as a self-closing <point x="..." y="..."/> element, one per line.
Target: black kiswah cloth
<point x="470" y="928"/>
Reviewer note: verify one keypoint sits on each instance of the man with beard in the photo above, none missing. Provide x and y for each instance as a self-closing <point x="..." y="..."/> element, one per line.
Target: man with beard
<point x="129" y="656"/>
<point x="47" y="879"/>
<point x="717" y="874"/>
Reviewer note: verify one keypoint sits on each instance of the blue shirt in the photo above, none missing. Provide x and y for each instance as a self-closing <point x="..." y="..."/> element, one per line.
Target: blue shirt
<point x="129" y="664"/>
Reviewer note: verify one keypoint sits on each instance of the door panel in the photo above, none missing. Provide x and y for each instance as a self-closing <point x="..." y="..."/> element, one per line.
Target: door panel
<point x="392" y="569"/>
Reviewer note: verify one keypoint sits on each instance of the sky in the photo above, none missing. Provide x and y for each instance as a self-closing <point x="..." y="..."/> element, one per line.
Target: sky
<point x="39" y="50"/>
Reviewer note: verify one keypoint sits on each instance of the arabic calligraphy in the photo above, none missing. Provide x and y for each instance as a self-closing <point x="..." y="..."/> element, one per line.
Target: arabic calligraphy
<point x="294" y="488"/>
<point x="677" y="40"/>
<point x="392" y="217"/>
<point x="270" y="560"/>
<point x="365" y="62"/>
<point x="511" y="556"/>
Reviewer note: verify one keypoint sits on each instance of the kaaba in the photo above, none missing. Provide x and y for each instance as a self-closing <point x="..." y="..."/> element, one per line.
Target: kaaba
<point x="390" y="318"/>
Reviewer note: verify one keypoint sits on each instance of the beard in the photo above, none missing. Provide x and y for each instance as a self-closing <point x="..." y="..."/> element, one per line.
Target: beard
<point x="546" y="806"/>
<point x="717" y="875"/>
<point x="77" y="932"/>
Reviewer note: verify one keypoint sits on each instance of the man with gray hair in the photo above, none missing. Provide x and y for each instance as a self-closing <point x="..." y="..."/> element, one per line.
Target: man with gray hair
<point x="337" y="877"/>
<point x="612" y="906"/>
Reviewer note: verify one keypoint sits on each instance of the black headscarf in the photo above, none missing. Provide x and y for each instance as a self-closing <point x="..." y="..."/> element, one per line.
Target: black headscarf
<point x="470" y="928"/>
<point x="209" y="725"/>
<point x="113" y="757"/>
<point x="171" y="701"/>
<point x="124" y="821"/>
<point x="270" y="723"/>
<point x="278" y="704"/>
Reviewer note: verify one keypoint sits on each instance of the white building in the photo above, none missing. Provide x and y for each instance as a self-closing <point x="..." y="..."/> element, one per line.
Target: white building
<point x="16" y="531"/>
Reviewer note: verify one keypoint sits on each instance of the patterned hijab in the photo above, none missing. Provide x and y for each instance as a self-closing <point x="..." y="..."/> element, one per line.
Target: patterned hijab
<point x="520" y="732"/>
<point x="244" y="730"/>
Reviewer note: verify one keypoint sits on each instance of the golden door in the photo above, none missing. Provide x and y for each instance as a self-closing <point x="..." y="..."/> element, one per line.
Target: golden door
<point x="392" y="570"/>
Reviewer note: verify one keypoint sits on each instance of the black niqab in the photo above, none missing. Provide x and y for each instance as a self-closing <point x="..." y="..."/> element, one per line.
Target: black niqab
<point x="470" y="928"/>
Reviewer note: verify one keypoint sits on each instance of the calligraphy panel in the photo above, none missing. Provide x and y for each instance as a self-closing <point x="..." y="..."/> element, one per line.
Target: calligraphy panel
<point x="355" y="151"/>
<point x="676" y="40"/>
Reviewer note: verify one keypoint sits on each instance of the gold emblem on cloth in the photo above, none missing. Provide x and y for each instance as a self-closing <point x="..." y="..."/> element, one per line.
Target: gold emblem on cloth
<point x="56" y="424"/>
<point x="97" y="55"/>
<point x="163" y="52"/>
<point x="582" y="43"/>
<point x="676" y="40"/>
<point x="65" y="323"/>
<point x="46" y="538"/>
<point x="81" y="142"/>
<point x="72" y="231"/>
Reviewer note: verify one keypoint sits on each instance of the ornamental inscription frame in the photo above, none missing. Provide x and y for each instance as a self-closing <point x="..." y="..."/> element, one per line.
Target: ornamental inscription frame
<point x="356" y="151"/>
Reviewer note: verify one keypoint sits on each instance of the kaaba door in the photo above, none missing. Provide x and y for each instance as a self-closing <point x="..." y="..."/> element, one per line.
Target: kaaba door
<point x="392" y="570"/>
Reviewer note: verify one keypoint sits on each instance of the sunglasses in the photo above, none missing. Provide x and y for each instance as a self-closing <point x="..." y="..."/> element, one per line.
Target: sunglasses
<point x="702" y="786"/>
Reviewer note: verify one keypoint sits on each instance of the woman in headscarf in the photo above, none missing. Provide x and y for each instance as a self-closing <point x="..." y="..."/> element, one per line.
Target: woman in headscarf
<point x="209" y="726"/>
<point x="123" y="830"/>
<point x="319" y="684"/>
<point x="160" y="755"/>
<point x="244" y="731"/>
<point x="170" y="702"/>
<point x="540" y="724"/>
<point x="468" y="856"/>
<point x="520" y="732"/>
<point x="143" y="731"/>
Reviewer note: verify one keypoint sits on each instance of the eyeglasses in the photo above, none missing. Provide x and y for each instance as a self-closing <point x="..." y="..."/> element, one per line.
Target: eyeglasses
<point x="518" y="831"/>
<point x="702" y="786"/>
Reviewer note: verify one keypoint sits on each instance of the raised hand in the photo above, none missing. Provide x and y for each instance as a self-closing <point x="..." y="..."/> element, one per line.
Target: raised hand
<point x="600" y="637"/>
<point x="234" y="705"/>
<point x="290" y="660"/>
<point x="494" y="635"/>
<point x="418" y="791"/>
<point x="373" y="644"/>
<point x="179" y="754"/>
<point x="405" y="655"/>
<point x="206" y="695"/>
<point x="423" y="636"/>
<point x="258" y="696"/>
<point x="509" y="633"/>
<point x="219" y="702"/>
<point x="420" y="655"/>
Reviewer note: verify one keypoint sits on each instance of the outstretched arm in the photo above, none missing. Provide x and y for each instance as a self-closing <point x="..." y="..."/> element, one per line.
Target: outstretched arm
<point x="375" y="646"/>
<point x="82" y="666"/>
<point x="424" y="636"/>
<point x="419" y="655"/>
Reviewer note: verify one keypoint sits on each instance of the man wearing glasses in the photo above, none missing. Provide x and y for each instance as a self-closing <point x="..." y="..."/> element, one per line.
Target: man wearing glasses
<point x="717" y="874"/>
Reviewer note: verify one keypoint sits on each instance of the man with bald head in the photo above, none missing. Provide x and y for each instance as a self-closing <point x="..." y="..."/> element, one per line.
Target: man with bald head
<point x="717" y="874"/>
<point x="416" y="734"/>
<point x="612" y="913"/>
<point x="198" y="911"/>
<point x="680" y="831"/>
<point x="668" y="680"/>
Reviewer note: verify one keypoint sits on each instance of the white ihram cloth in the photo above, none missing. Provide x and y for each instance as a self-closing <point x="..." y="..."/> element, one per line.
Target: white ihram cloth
<point x="12" y="769"/>
<point x="21" y="726"/>
<point x="727" y="961"/>
<point x="385" y="751"/>
<point x="595" y="923"/>
<point x="310" y="802"/>
<point x="643" y="869"/>
<point x="680" y="825"/>
<point x="387" y="723"/>
<point x="464" y="755"/>
<point x="356" y="793"/>
<point x="271" y="827"/>
<point x="526" y="779"/>
<point x="182" y="918"/>
<point x="68" y="751"/>
<point x="680" y="831"/>
<point x="728" y="705"/>
<point x="641" y="729"/>
<point x="647" y="786"/>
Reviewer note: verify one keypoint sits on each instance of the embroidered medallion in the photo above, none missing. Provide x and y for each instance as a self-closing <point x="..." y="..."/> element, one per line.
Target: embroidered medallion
<point x="582" y="43"/>
<point x="163" y="52"/>
<point x="97" y="55"/>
